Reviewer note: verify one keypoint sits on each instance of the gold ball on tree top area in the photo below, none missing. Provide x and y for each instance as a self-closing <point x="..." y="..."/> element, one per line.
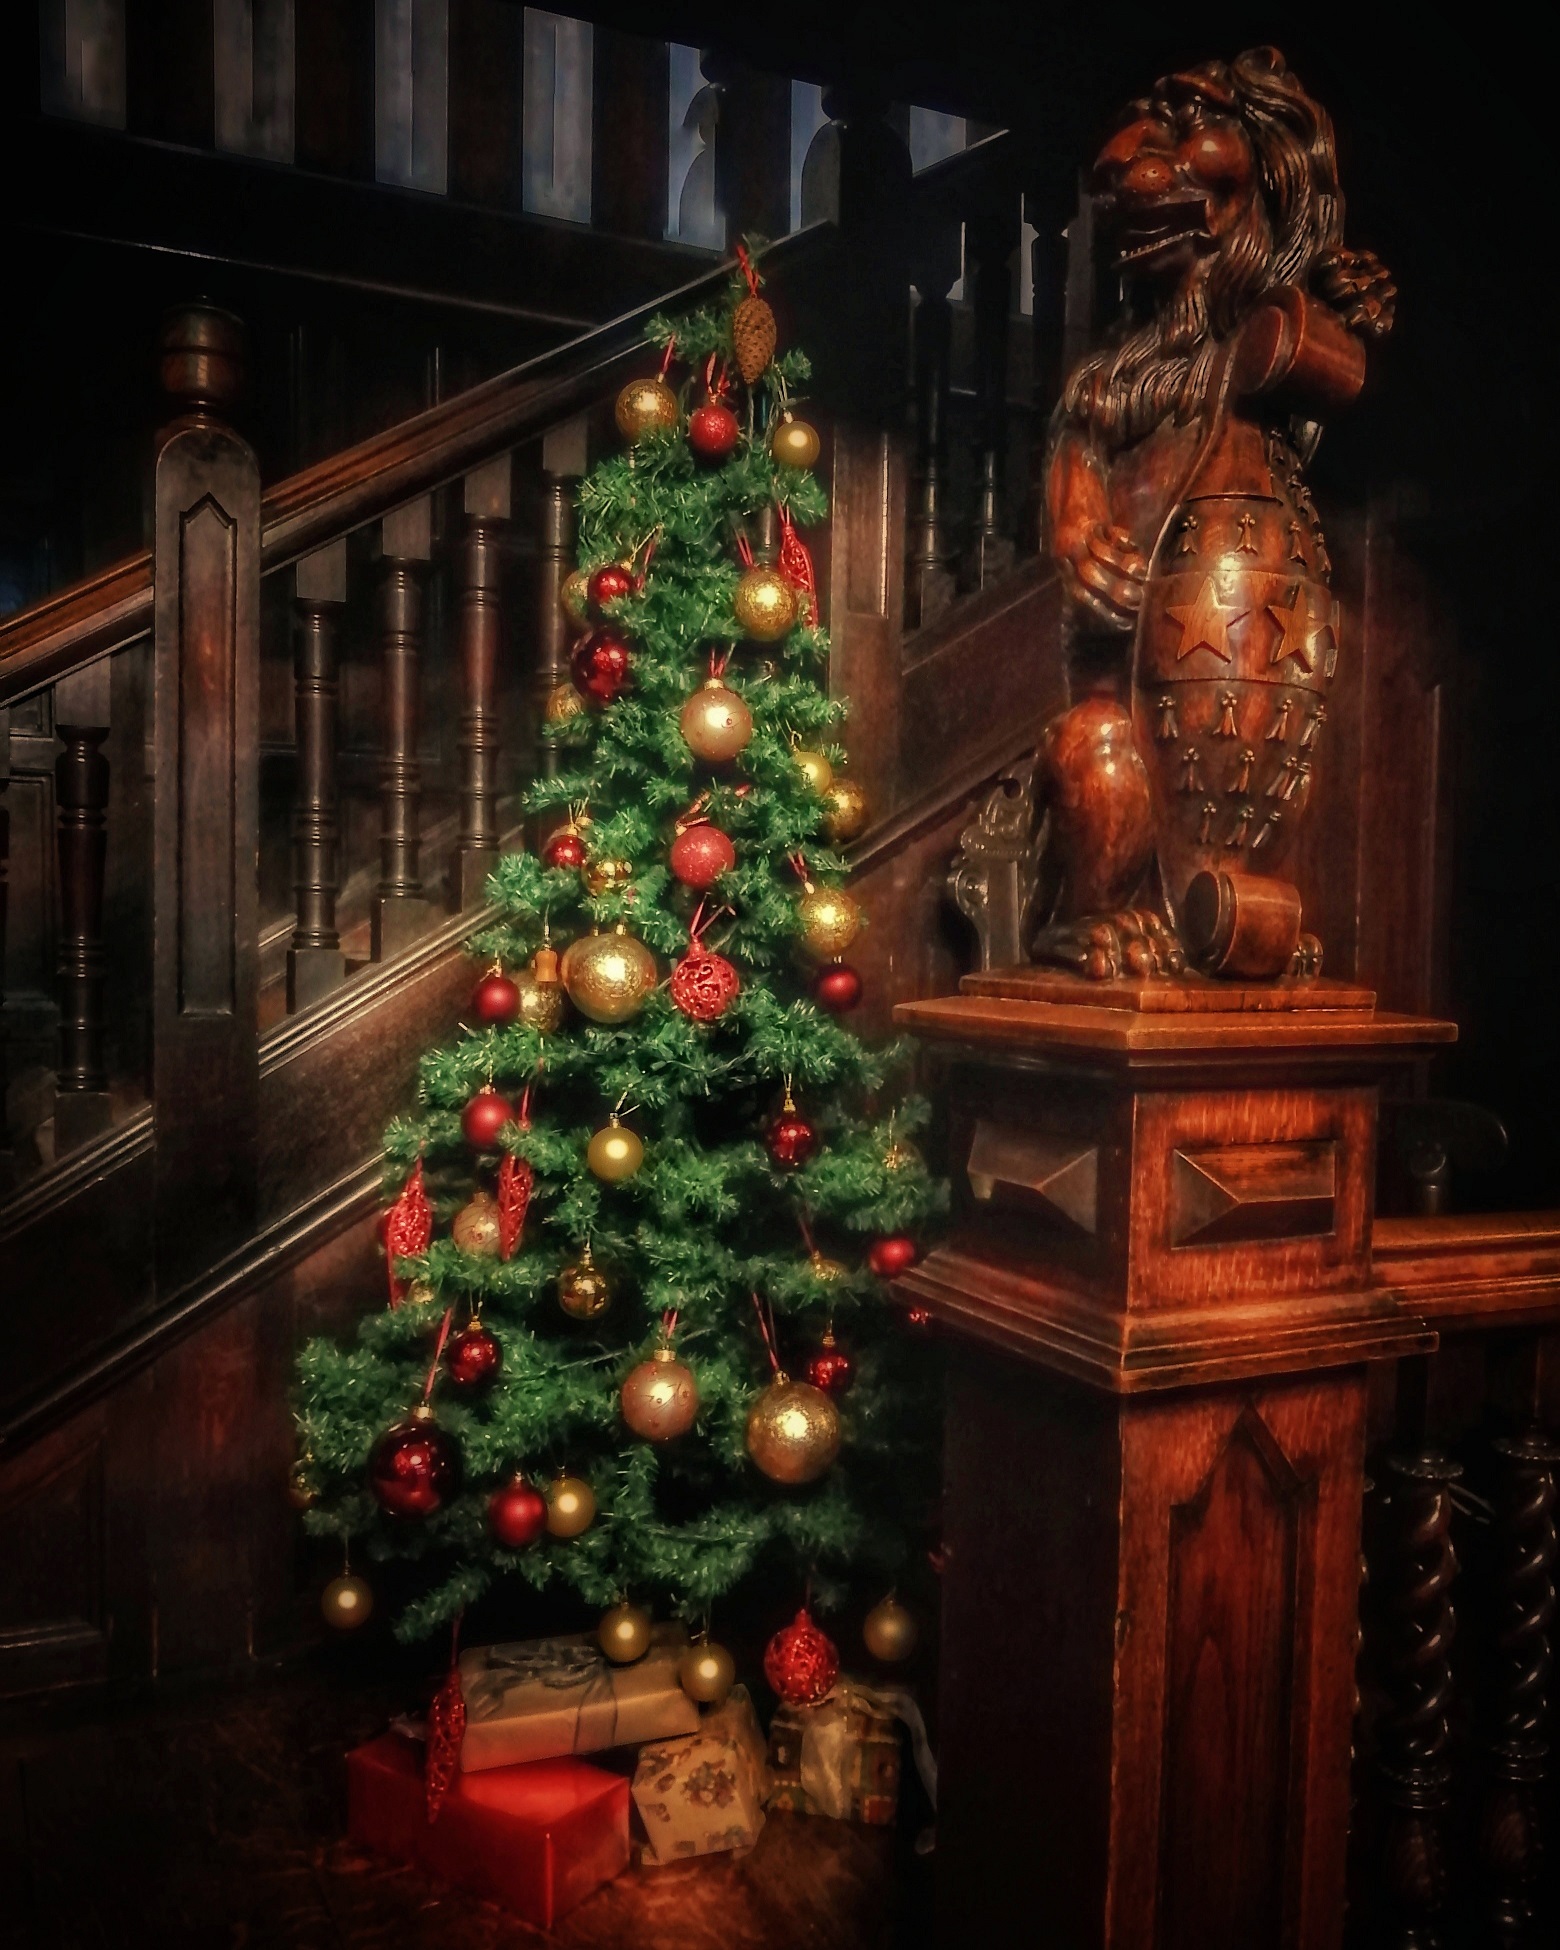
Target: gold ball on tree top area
<point x="574" y="595"/>
<point x="583" y="1289"/>
<point x="644" y="406"/>
<point x="624" y="1634"/>
<point x="831" y="921"/>
<point x="571" y="1506"/>
<point x="890" y="1630"/>
<point x="541" y="1003"/>
<point x="476" y="1228"/>
<point x="816" y="770"/>
<point x="794" y="443"/>
<point x="660" y="1399"/>
<point x="563" y="703"/>
<point x="346" y="1602"/>
<point x="601" y="876"/>
<point x="793" y="1431"/>
<point x="846" y="815"/>
<point x="614" y="1152"/>
<point x="706" y="1673"/>
<point x="609" y="976"/>
<point x="765" y="604"/>
<point x="715" y="722"/>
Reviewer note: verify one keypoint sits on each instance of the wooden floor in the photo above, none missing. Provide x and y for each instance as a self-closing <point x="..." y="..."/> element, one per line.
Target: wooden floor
<point x="218" y="1820"/>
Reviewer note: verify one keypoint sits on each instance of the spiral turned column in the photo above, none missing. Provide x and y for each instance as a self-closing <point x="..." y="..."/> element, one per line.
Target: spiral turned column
<point x="1510" y="1833"/>
<point x="315" y="962"/>
<point x="401" y="911"/>
<point x="1416" y="1579"/>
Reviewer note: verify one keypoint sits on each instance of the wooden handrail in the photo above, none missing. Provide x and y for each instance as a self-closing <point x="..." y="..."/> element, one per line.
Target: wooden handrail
<point x="1470" y="1270"/>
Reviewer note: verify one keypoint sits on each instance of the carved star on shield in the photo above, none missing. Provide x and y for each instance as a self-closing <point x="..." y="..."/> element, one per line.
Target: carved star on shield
<point x="1299" y="629"/>
<point x="1205" y="623"/>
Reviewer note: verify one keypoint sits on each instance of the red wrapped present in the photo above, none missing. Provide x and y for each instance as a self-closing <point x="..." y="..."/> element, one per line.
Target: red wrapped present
<point x="536" y="1838"/>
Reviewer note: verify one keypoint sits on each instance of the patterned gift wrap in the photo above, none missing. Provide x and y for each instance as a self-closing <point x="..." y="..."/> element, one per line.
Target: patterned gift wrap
<point x="839" y="1758"/>
<point x="705" y="1793"/>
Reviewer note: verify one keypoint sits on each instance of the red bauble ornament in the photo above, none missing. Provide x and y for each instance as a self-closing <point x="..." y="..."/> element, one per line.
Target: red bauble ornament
<point x="831" y="1368"/>
<point x="495" y="999"/>
<point x="790" y="1138"/>
<point x="608" y="583"/>
<point x="700" y="854"/>
<point x="704" y="985"/>
<point x="600" y="665"/>
<point x="517" y="1514"/>
<point x="446" y="1730"/>
<point x="485" y="1116"/>
<point x="713" y="431"/>
<point x="801" y="1662"/>
<point x="473" y="1357"/>
<point x="414" y="1469"/>
<point x="565" y="849"/>
<point x="837" y="988"/>
<point x="893" y="1255"/>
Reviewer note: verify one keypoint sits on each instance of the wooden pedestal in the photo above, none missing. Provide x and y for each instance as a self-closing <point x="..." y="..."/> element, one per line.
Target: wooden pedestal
<point x="1159" y="1301"/>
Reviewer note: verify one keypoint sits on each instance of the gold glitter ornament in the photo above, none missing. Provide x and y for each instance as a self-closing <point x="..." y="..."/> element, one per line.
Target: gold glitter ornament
<point x="624" y="1634"/>
<point x="793" y="1431"/>
<point x="419" y="1294"/>
<point x="765" y="604"/>
<point x="823" y="1268"/>
<point x="831" y="920"/>
<point x="574" y="595"/>
<point x="563" y="704"/>
<point x="715" y="723"/>
<point x="476" y="1228"/>
<point x="301" y="1491"/>
<point x="645" y="406"/>
<point x="816" y="770"/>
<point x="706" y="1673"/>
<point x="890" y="1631"/>
<point x="347" y="1602"/>
<point x="614" y="1152"/>
<point x="609" y="977"/>
<point x="660" y="1398"/>
<point x="583" y="1289"/>
<point x="845" y="815"/>
<point x="794" y="443"/>
<point x="604" y="876"/>
<point x="571" y="1506"/>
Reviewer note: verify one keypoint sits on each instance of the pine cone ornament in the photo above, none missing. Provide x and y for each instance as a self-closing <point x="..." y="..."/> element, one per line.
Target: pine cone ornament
<point x="753" y="336"/>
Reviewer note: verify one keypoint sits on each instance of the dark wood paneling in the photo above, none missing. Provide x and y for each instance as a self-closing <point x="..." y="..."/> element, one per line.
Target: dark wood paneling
<point x="170" y="71"/>
<point x="335" y="87"/>
<point x="484" y="102"/>
<point x="54" y="1613"/>
<point x="629" y="153"/>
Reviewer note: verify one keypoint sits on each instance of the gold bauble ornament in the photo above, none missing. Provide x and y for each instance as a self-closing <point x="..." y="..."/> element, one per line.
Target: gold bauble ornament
<point x="660" y="1398"/>
<point x="823" y="1268"/>
<point x="563" y="703"/>
<point x="420" y="1294"/>
<point x="765" y="604"/>
<point x="900" y="1156"/>
<point x="609" y="976"/>
<point x="645" y="406"/>
<point x="347" y="1602"/>
<point x="716" y="724"/>
<point x="301" y="1491"/>
<point x="602" y="876"/>
<point x="794" y="443"/>
<point x="614" y="1152"/>
<point x="845" y="816"/>
<point x="793" y="1431"/>
<point x="816" y="770"/>
<point x="476" y="1228"/>
<point x="831" y="920"/>
<point x="571" y="1506"/>
<point x="890" y="1630"/>
<point x="575" y="597"/>
<point x="583" y="1289"/>
<point x="706" y="1673"/>
<point x="624" y="1634"/>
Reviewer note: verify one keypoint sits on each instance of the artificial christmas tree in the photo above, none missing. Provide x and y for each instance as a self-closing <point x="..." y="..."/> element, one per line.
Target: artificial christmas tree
<point x="659" y="1197"/>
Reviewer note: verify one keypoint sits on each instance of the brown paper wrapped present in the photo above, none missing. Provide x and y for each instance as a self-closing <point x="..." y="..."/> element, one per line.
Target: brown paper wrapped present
<point x="841" y="1757"/>
<point x="704" y="1793"/>
<point x="540" y="1698"/>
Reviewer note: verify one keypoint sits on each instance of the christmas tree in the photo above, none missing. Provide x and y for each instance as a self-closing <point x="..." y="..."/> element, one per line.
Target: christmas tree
<point x="643" y="1216"/>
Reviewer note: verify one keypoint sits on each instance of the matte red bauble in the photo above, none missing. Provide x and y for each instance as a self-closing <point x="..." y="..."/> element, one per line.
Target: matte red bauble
<point x="473" y="1357"/>
<point x="700" y="855"/>
<point x="713" y="431"/>
<point x="495" y="999"/>
<point x="837" y="988"/>
<point x="831" y="1368"/>
<point x="704" y="985"/>
<point x="414" y="1469"/>
<point x="485" y="1116"/>
<point x="599" y="665"/>
<point x="791" y="1138"/>
<point x="801" y="1662"/>
<point x="608" y="583"/>
<point x="566" y="849"/>
<point x="517" y="1514"/>
<point x="892" y="1256"/>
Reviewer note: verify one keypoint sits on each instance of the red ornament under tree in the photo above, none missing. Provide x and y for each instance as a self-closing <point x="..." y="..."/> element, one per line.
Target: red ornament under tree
<point x="800" y="1662"/>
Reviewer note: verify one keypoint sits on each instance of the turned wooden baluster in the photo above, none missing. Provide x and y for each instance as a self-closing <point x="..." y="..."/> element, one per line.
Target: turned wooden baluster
<point x="481" y="569"/>
<point x="401" y="911"/>
<point x="315" y="962"/>
<point x="990" y="237"/>
<point x="6" y="1162"/>
<point x="930" y="581"/>
<point x="1415" y="1580"/>
<point x="563" y="461"/>
<point x="81" y="1102"/>
<point x="1510" y="1836"/>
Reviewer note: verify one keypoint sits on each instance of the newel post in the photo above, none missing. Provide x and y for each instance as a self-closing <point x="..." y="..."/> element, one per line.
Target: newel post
<point x="205" y="964"/>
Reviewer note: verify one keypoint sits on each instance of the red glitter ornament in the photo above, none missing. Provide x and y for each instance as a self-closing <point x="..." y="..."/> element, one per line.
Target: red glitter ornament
<point x="704" y="985"/>
<point x="791" y="1139"/>
<point x="919" y="1318"/>
<point x="485" y="1116"/>
<point x="893" y="1255"/>
<point x="517" y="1514"/>
<point x="831" y="1368"/>
<point x="515" y="1179"/>
<point x="446" y="1730"/>
<point x="608" y="583"/>
<point x="801" y="1662"/>
<point x="414" y="1469"/>
<point x="408" y="1227"/>
<point x="495" y="999"/>
<point x="837" y="988"/>
<point x="700" y="854"/>
<point x="473" y="1357"/>
<point x="599" y="665"/>
<point x="713" y="431"/>
<point x="565" y="849"/>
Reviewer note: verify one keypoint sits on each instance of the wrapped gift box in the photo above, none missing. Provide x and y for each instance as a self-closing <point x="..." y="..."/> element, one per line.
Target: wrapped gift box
<point x="543" y="1697"/>
<point x="536" y="1839"/>
<point x="705" y="1792"/>
<point x="839" y="1758"/>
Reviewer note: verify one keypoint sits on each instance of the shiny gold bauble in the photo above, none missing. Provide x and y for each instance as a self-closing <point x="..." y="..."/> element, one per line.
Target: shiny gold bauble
<point x="476" y="1228"/>
<point x="420" y="1294"/>
<point x="816" y="770"/>
<point x="823" y="1268"/>
<point x="646" y="406"/>
<point x="846" y="815"/>
<point x="347" y="1602"/>
<point x="602" y="876"/>
<point x="583" y="1289"/>
<point x="624" y="1634"/>
<point x="794" y="443"/>
<point x="301" y="1491"/>
<point x="793" y="1431"/>
<point x="575" y="597"/>
<point x="614" y="1152"/>
<point x="716" y="724"/>
<point x="890" y="1631"/>
<point x="706" y="1673"/>
<point x="541" y="1003"/>
<point x="900" y="1156"/>
<point x="563" y="703"/>
<point x="765" y="604"/>
<point x="609" y="976"/>
<point x="831" y="920"/>
<point x="571" y="1506"/>
<point x="660" y="1399"/>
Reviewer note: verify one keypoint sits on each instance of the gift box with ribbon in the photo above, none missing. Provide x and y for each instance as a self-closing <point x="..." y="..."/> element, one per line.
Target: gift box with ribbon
<point x="704" y="1793"/>
<point x="841" y="1757"/>
<point x="543" y="1697"/>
